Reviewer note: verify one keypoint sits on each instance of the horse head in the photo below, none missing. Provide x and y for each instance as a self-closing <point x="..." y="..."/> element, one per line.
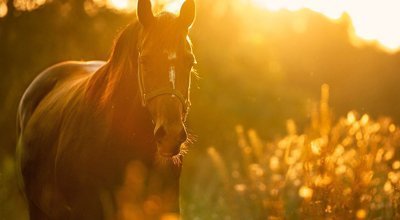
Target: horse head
<point x="165" y="65"/>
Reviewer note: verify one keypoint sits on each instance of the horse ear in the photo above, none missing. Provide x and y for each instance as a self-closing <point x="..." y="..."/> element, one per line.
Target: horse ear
<point x="144" y="13"/>
<point x="188" y="13"/>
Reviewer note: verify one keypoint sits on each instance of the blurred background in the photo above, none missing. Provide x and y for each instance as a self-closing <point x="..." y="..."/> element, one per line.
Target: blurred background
<point x="261" y="64"/>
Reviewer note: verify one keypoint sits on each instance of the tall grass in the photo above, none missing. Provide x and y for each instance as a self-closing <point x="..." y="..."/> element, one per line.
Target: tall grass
<point x="349" y="169"/>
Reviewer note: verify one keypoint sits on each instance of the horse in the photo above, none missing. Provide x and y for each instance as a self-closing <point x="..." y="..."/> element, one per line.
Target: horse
<point x="84" y="128"/>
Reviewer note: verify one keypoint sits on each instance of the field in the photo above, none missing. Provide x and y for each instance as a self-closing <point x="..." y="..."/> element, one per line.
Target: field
<point x="295" y="114"/>
<point x="347" y="168"/>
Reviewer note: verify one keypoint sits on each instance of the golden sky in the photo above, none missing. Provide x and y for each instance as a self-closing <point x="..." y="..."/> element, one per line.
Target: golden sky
<point x="373" y="21"/>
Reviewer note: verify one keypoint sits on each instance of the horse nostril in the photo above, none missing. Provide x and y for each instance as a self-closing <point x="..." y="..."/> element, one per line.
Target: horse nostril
<point x="160" y="133"/>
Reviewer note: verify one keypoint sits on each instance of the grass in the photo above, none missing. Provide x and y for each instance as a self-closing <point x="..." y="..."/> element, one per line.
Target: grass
<point x="349" y="169"/>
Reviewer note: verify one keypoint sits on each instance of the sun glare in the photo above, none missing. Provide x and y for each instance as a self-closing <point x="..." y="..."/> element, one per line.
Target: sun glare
<point x="129" y="5"/>
<point x="373" y="21"/>
<point x="174" y="6"/>
<point x="120" y="4"/>
<point x="331" y="9"/>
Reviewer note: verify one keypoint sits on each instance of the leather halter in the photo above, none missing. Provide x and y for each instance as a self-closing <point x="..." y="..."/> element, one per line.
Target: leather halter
<point x="146" y="96"/>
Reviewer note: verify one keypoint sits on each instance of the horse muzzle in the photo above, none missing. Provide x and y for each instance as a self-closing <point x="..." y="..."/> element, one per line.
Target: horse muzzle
<point x="169" y="139"/>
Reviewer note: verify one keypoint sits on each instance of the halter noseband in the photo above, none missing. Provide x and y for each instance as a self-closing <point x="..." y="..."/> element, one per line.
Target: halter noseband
<point x="146" y="96"/>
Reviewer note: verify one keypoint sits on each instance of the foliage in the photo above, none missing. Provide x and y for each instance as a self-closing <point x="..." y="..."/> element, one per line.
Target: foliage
<point x="349" y="170"/>
<point x="256" y="68"/>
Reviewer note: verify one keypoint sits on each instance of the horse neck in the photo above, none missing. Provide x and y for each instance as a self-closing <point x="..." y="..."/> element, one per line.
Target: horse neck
<point x="114" y="87"/>
<point x="116" y="99"/>
<point x="113" y="84"/>
<point x="113" y="95"/>
<point x="124" y="96"/>
<point x="116" y="82"/>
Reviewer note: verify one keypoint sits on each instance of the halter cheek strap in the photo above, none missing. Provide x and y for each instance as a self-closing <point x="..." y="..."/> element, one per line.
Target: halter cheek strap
<point x="147" y="96"/>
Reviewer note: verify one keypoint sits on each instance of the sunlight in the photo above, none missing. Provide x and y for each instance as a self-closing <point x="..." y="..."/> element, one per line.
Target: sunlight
<point x="373" y="21"/>
<point x="28" y="5"/>
<point x="129" y="5"/>
<point x="120" y="4"/>
<point x="3" y="9"/>
<point x="174" y="6"/>
<point x="377" y="21"/>
<point x="331" y="9"/>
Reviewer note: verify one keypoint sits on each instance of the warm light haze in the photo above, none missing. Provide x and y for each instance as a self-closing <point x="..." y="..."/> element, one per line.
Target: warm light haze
<point x="373" y="21"/>
<point x="199" y="109"/>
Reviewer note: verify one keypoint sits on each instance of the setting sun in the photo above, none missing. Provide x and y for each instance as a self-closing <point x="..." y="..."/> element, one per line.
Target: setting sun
<point x="373" y="21"/>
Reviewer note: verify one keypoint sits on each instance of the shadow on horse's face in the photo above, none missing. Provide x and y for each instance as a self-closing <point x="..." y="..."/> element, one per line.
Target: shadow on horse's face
<point x="165" y="65"/>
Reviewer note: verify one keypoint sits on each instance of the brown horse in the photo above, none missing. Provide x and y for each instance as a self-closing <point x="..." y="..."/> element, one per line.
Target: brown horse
<point x="83" y="125"/>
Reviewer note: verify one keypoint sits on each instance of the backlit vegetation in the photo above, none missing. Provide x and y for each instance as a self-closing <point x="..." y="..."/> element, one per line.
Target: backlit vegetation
<point x="349" y="169"/>
<point x="257" y="67"/>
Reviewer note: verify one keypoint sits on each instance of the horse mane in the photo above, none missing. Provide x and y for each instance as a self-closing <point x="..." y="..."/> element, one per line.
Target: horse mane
<point x="104" y="82"/>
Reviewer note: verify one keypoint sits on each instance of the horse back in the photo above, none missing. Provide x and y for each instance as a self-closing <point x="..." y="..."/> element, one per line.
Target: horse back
<point x="45" y="82"/>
